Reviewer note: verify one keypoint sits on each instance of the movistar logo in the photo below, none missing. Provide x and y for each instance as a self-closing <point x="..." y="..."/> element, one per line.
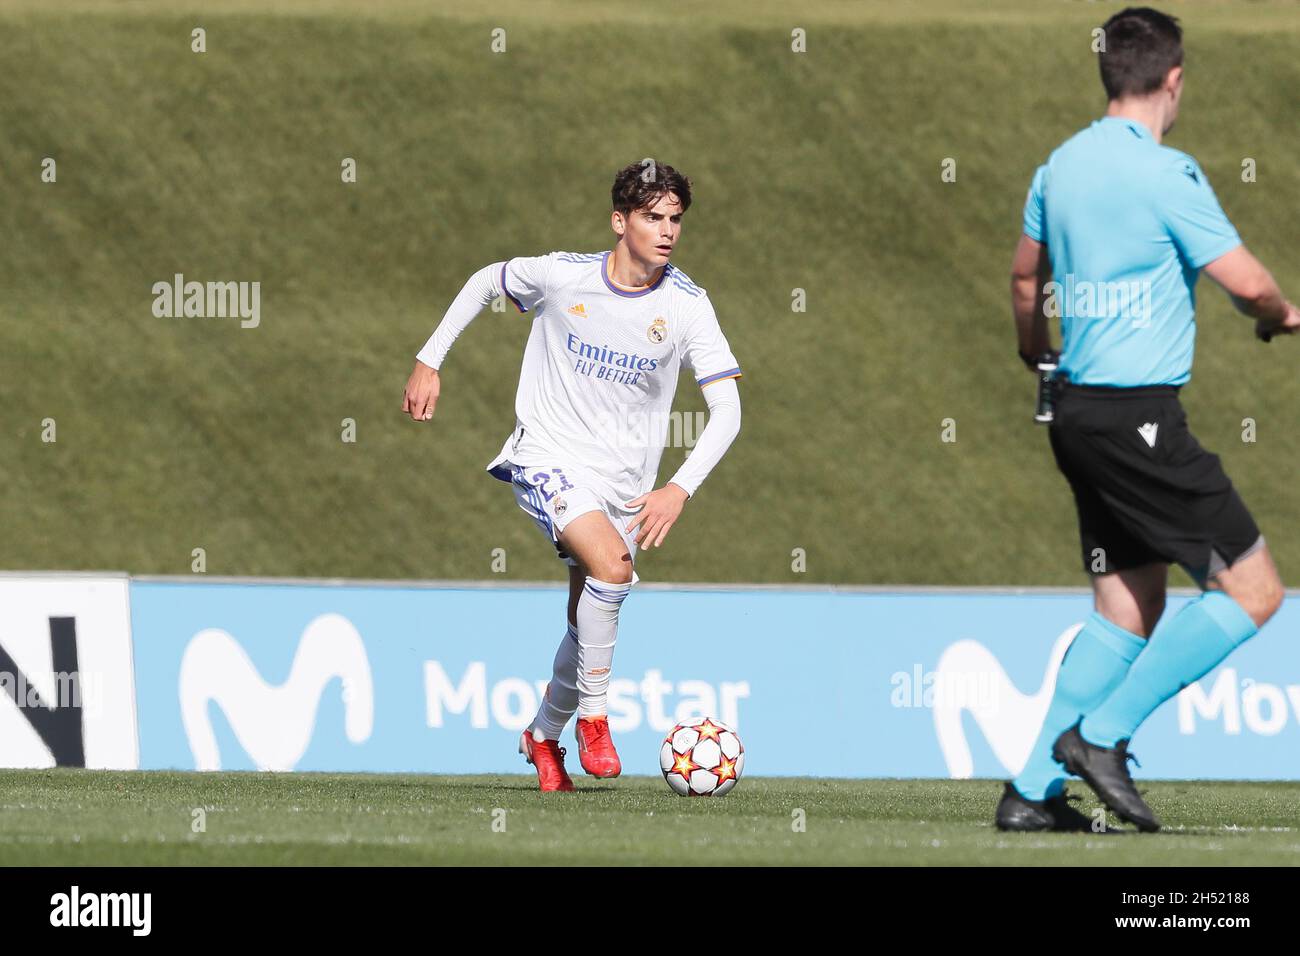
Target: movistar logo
<point x="274" y="723"/>
<point x="1010" y="720"/>
<point x="608" y="356"/>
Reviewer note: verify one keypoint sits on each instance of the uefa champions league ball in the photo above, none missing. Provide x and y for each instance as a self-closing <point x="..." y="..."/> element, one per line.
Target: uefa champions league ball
<point x="702" y="757"/>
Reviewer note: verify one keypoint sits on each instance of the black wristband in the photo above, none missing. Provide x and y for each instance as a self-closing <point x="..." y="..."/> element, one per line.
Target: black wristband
<point x="1032" y="361"/>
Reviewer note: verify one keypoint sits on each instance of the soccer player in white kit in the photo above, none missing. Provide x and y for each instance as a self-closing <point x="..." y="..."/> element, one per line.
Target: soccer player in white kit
<point x="609" y="333"/>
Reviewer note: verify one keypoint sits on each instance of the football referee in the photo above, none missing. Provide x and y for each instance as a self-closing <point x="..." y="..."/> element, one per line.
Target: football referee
<point x="1117" y="229"/>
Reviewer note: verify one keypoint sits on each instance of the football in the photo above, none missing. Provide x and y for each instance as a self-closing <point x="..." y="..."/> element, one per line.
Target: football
<point x="702" y="757"/>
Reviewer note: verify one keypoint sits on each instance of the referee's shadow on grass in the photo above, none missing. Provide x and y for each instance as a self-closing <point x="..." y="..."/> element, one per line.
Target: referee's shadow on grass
<point x="1110" y="831"/>
<point x="1110" y="826"/>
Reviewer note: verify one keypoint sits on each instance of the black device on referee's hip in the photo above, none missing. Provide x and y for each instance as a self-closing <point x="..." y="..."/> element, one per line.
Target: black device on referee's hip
<point x="1048" y="387"/>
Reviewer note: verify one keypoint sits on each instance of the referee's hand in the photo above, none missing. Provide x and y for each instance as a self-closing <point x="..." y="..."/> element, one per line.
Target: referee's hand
<point x="1264" y="331"/>
<point x="422" y="390"/>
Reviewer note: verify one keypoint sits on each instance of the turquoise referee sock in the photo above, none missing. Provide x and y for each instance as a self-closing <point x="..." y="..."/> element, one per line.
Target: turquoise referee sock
<point x="1094" y="665"/>
<point x="1201" y="635"/>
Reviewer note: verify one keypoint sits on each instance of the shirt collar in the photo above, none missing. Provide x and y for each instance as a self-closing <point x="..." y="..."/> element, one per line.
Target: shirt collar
<point x="1139" y="129"/>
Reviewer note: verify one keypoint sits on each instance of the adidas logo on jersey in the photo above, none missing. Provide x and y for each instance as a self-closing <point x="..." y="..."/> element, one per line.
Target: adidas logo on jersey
<point x="579" y="310"/>
<point x="1148" y="433"/>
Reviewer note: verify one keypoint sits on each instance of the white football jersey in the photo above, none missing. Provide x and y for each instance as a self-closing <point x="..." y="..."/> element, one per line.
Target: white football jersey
<point x="600" y="368"/>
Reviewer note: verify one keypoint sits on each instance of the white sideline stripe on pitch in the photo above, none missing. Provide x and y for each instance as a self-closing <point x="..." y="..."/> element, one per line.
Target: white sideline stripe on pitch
<point x="644" y="586"/>
<point x="488" y="584"/>
<point x="368" y="811"/>
<point x="478" y="585"/>
<point x="482" y="584"/>
<point x="234" y="840"/>
<point x="1100" y="845"/>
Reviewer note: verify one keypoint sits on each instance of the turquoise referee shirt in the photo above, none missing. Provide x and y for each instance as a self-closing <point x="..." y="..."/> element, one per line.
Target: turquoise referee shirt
<point x="1128" y="224"/>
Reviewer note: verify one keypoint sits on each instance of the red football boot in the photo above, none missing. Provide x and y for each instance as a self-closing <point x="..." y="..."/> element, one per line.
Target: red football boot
<point x="595" y="748"/>
<point x="548" y="757"/>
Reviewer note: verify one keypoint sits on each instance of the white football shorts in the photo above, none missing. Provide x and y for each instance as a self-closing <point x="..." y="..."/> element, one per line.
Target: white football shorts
<point x="553" y="495"/>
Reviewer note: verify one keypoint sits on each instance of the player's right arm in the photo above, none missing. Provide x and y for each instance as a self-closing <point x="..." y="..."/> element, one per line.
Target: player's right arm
<point x="422" y="390"/>
<point x="1254" y="292"/>
<point x="521" y="281"/>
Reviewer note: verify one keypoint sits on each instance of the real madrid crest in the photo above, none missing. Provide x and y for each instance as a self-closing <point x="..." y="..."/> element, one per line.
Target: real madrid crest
<point x="658" y="330"/>
<point x="560" y="507"/>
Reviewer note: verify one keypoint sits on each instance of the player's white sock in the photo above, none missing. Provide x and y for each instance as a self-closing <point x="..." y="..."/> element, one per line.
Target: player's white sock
<point x="597" y="631"/>
<point x="561" y="698"/>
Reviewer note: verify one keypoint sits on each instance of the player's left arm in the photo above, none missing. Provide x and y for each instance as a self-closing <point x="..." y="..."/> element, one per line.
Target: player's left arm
<point x="705" y="350"/>
<point x="662" y="507"/>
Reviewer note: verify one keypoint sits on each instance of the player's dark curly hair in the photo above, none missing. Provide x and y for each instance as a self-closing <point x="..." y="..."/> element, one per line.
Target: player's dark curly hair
<point x="643" y="184"/>
<point x="1142" y="46"/>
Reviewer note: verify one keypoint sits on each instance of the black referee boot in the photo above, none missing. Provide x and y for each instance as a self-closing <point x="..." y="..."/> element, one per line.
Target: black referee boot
<point x="1019" y="814"/>
<point x="1105" y="769"/>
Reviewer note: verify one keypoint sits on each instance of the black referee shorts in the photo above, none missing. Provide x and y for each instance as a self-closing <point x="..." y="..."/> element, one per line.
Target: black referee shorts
<point x="1146" y="491"/>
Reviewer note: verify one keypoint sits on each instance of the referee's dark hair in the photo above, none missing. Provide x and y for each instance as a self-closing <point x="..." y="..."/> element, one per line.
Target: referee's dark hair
<point x="1142" y="46"/>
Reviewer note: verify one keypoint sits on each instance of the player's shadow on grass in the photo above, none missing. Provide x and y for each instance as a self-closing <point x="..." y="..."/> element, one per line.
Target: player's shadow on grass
<point x="523" y="783"/>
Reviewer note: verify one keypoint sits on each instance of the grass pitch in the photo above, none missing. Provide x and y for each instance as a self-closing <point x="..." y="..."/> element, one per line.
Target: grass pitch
<point x="72" y="817"/>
